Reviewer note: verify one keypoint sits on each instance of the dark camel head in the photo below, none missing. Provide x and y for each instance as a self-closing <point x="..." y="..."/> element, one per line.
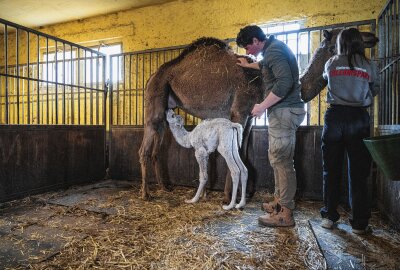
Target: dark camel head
<point x="330" y="37"/>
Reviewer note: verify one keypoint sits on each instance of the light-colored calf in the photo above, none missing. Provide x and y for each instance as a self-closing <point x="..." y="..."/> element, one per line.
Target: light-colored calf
<point x="213" y="134"/>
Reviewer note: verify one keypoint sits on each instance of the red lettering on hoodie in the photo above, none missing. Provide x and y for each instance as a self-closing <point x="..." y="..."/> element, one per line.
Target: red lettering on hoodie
<point x="349" y="72"/>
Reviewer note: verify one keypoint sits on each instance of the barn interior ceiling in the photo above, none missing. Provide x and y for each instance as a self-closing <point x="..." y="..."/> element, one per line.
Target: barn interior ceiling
<point x="36" y="13"/>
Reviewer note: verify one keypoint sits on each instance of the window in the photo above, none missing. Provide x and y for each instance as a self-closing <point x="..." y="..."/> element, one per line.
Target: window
<point x="49" y="68"/>
<point x="109" y="50"/>
<point x="298" y="45"/>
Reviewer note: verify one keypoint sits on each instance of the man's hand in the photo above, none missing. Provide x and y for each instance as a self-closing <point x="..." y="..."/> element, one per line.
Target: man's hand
<point x="242" y="61"/>
<point x="258" y="110"/>
<point x="269" y="101"/>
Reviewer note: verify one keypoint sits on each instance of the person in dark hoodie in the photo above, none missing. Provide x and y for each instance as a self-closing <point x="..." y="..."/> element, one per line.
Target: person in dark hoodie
<point x="352" y="84"/>
<point x="285" y="114"/>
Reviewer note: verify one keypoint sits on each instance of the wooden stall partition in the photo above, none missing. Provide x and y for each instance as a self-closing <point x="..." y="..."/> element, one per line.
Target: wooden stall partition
<point x="182" y="169"/>
<point x="34" y="159"/>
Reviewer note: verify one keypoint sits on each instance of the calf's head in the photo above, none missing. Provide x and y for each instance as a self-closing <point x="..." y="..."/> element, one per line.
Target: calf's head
<point x="174" y="119"/>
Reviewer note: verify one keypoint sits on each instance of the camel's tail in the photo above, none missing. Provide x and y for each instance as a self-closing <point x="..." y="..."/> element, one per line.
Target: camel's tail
<point x="239" y="130"/>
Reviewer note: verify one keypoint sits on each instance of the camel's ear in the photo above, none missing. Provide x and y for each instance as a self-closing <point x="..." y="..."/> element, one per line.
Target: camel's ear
<point x="327" y="34"/>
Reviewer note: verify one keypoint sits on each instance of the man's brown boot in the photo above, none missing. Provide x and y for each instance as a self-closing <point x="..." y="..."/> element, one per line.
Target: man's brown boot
<point x="271" y="206"/>
<point x="282" y="218"/>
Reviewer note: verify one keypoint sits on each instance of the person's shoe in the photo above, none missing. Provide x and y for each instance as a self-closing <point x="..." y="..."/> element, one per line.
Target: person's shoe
<point x="367" y="230"/>
<point x="271" y="206"/>
<point x="327" y="223"/>
<point x="282" y="218"/>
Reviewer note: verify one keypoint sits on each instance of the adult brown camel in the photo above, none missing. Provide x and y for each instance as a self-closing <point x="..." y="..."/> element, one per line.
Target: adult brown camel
<point x="205" y="81"/>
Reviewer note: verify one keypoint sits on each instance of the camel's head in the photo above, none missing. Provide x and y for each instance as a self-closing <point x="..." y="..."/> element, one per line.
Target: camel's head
<point x="329" y="41"/>
<point x="174" y="119"/>
<point x="330" y="37"/>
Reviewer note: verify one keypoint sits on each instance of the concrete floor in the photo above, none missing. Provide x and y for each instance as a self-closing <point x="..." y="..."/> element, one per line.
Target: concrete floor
<point x="106" y="226"/>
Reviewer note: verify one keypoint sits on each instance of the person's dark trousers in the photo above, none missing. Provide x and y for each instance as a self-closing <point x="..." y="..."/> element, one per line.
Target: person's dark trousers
<point x="344" y="130"/>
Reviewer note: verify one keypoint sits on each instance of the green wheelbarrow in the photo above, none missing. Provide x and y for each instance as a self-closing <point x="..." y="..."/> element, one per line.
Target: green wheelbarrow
<point x="385" y="151"/>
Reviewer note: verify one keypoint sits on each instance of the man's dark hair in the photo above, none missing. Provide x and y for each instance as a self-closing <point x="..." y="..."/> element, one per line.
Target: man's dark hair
<point x="246" y="35"/>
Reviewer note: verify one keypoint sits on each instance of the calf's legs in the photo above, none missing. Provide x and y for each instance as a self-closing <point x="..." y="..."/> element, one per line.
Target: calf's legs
<point x="202" y="160"/>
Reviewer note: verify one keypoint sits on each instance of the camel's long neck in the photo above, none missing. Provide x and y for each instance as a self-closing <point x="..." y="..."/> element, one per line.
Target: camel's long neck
<point x="181" y="135"/>
<point x="311" y="80"/>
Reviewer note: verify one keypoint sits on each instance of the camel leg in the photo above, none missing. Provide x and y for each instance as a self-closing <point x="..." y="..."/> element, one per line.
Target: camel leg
<point x="144" y="157"/>
<point x="244" y="158"/>
<point x="227" y="188"/>
<point x="155" y="105"/>
<point x="150" y="149"/>
<point x="202" y="159"/>
<point x="155" y="159"/>
<point x="246" y="137"/>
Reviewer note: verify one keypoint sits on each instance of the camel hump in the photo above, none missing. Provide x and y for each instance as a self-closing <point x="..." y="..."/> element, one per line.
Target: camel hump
<point x="199" y="43"/>
<point x="205" y="42"/>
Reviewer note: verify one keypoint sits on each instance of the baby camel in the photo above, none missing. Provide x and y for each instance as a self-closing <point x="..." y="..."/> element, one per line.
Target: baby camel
<point x="211" y="134"/>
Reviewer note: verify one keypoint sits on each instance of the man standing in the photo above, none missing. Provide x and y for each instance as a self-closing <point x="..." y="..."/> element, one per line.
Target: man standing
<point x="285" y="114"/>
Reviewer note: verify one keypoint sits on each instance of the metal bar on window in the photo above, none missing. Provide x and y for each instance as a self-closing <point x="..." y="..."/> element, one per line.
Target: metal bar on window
<point x="117" y="81"/>
<point x="47" y="81"/>
<point x="386" y="97"/>
<point x="79" y="84"/>
<point x="91" y="86"/>
<point x="6" y="72"/>
<point x="111" y="92"/>
<point x="29" y="82"/>
<point x="143" y="84"/>
<point x="124" y="88"/>
<point x="319" y="94"/>
<point x="137" y="92"/>
<point x="97" y="93"/>
<point x="390" y="81"/>
<point x="130" y="90"/>
<point x="397" y="52"/>
<point x="38" y="87"/>
<point x="64" y="77"/>
<point x="56" y="86"/>
<point x="17" y="72"/>
<point x="85" y="93"/>
<point x="72" y="116"/>
<point x="105" y="90"/>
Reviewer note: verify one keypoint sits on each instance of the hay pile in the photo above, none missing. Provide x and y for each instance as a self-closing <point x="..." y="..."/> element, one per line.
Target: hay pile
<point x="166" y="233"/>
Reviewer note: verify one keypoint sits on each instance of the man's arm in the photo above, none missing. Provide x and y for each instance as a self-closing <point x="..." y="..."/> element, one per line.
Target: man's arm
<point x="270" y="100"/>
